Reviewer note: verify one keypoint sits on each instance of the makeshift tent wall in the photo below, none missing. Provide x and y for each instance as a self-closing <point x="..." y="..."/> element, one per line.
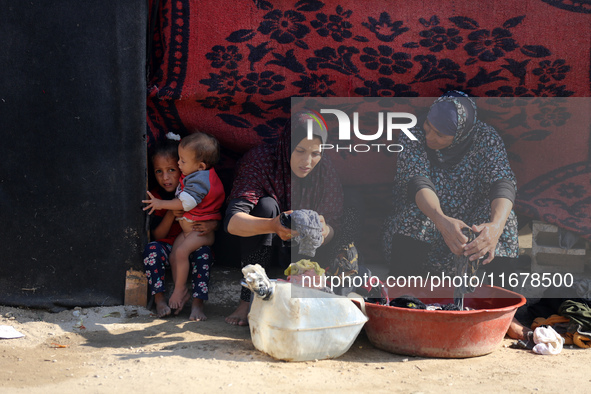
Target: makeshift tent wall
<point x="231" y="70"/>
<point x="72" y="107"/>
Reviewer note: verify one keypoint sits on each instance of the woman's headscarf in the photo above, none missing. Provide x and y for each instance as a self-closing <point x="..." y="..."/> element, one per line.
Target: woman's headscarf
<point x="266" y="171"/>
<point x="454" y="113"/>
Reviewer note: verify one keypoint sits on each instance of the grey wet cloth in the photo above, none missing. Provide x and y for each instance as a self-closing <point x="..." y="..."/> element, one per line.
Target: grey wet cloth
<point x="307" y="223"/>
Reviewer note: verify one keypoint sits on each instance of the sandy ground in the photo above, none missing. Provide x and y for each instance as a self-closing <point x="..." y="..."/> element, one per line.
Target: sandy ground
<point x="99" y="350"/>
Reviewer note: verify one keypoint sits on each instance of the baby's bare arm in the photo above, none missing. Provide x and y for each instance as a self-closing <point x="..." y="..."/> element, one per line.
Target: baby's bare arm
<point x="155" y="204"/>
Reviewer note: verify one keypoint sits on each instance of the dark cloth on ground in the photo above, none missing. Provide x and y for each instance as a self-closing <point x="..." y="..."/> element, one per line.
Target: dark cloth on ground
<point x="579" y="312"/>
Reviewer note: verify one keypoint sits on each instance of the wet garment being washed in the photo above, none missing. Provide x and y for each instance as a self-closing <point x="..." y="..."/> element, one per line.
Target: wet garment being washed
<point x="307" y="223"/>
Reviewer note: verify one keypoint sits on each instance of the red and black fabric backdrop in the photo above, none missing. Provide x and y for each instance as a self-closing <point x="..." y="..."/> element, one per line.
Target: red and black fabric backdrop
<point x="231" y="68"/>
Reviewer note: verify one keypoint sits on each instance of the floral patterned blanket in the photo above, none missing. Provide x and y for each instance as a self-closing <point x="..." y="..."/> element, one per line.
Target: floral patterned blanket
<point x="230" y="69"/>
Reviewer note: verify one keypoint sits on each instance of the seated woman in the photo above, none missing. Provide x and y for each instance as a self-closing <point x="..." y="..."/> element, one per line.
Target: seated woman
<point x="271" y="179"/>
<point x="456" y="175"/>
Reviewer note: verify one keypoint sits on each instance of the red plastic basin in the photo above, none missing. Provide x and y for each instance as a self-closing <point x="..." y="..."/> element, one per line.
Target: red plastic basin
<point x="445" y="334"/>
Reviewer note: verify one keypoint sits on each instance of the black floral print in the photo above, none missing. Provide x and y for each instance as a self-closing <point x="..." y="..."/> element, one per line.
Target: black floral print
<point x="490" y="46"/>
<point x="437" y="38"/>
<point x="315" y="85"/>
<point x="284" y="27"/>
<point x="271" y="129"/>
<point x="551" y="71"/>
<point x="571" y="190"/>
<point x="339" y="60"/>
<point x="552" y="91"/>
<point x="385" y="87"/>
<point x="337" y="26"/>
<point x="264" y="83"/>
<point x="384" y="29"/>
<point x="223" y="83"/>
<point x="509" y="91"/>
<point x="292" y="26"/>
<point x="385" y="60"/>
<point x="548" y="116"/>
<point x="222" y="56"/>
<point x="433" y="68"/>
<point x="220" y="103"/>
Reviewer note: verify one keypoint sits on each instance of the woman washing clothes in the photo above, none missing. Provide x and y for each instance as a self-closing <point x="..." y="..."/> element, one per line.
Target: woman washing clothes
<point x="456" y="175"/>
<point x="270" y="179"/>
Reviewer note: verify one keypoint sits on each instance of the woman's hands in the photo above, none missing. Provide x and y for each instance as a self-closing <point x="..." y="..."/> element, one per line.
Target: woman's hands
<point x="486" y="242"/>
<point x="282" y="232"/>
<point x="451" y="230"/>
<point x="490" y="232"/>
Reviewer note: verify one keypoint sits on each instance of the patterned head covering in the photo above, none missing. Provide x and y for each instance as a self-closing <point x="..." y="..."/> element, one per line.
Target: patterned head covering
<point x="454" y="113"/>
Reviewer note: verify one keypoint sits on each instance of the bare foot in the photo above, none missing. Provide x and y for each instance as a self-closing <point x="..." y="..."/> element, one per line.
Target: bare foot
<point x="178" y="299"/>
<point x="197" y="313"/>
<point x="162" y="308"/>
<point x="517" y="330"/>
<point x="240" y="315"/>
